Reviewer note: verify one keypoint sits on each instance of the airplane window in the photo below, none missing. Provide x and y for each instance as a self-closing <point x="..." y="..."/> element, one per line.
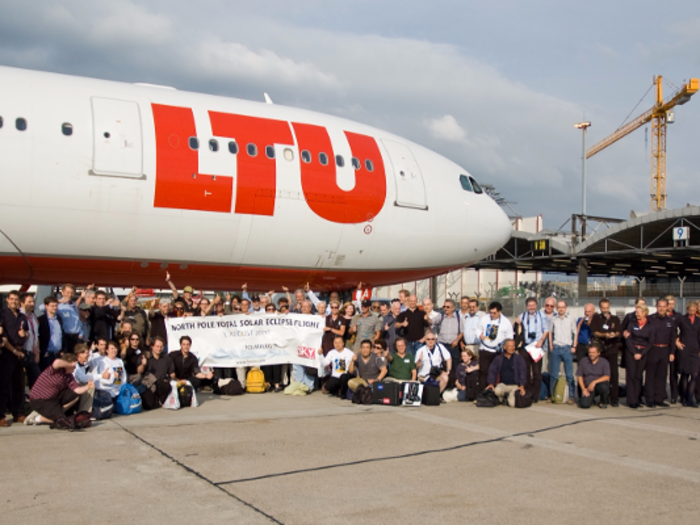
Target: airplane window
<point x="475" y="185"/>
<point x="466" y="185"/>
<point x="21" y="124"/>
<point x="306" y="156"/>
<point x="194" y="143"/>
<point x="288" y="154"/>
<point x="369" y="165"/>
<point x="233" y="147"/>
<point x="356" y="163"/>
<point x="323" y="159"/>
<point x="339" y="161"/>
<point x="252" y="150"/>
<point x="1" y="122"/>
<point x="213" y="145"/>
<point x="270" y="152"/>
<point x="67" y="129"/>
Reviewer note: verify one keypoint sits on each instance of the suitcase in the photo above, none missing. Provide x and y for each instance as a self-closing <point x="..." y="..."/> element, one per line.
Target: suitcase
<point x="387" y="393"/>
<point x="412" y="394"/>
<point x="431" y="395"/>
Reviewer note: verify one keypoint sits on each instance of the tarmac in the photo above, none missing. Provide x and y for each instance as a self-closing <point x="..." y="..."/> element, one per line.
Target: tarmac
<point x="272" y="458"/>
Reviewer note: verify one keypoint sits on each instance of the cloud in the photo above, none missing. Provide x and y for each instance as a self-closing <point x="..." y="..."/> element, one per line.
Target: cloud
<point x="447" y="128"/>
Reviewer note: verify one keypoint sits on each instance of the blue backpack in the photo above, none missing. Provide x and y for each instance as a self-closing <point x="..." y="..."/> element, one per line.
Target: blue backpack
<point x="128" y="401"/>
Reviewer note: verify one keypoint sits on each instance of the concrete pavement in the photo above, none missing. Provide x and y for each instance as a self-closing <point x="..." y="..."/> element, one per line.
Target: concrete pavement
<point x="271" y="458"/>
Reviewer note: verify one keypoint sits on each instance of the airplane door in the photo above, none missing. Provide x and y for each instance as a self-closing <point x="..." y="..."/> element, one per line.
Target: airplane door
<point x="410" y="188"/>
<point x="117" y="140"/>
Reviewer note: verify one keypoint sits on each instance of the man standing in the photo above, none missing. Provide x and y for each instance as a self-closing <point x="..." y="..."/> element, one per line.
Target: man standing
<point x="470" y="324"/>
<point x="414" y="323"/>
<point x="494" y="330"/>
<point x="535" y="332"/>
<point x="68" y="310"/>
<point x="365" y="325"/>
<point x="506" y="374"/>
<point x="674" y="365"/>
<point x="561" y="338"/>
<point x="50" y="333"/>
<point x="593" y="378"/>
<point x="584" y="336"/>
<point x="12" y="360"/>
<point x="606" y="328"/>
<point x="388" y="332"/>
<point x="449" y="329"/>
<point x="104" y="316"/>
<point x="31" y="344"/>
<point x="662" y="351"/>
<point x="134" y="313"/>
<point x="431" y="315"/>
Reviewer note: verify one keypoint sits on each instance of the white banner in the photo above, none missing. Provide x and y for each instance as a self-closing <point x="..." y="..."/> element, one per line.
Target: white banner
<point x="250" y="340"/>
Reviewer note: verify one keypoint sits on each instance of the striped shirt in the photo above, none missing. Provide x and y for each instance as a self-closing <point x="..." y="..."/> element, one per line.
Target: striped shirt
<point x="51" y="383"/>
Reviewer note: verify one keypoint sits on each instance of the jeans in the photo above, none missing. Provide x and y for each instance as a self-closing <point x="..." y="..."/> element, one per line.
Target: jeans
<point x="413" y="346"/>
<point x="299" y="374"/>
<point x="559" y="354"/>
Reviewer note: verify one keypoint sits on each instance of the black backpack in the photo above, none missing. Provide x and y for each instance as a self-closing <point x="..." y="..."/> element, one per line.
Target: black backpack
<point x="487" y="399"/>
<point x="232" y="388"/>
<point x="363" y="396"/>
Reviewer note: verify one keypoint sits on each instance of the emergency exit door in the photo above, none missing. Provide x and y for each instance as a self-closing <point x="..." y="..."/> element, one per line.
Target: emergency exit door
<point x="117" y="138"/>
<point x="410" y="188"/>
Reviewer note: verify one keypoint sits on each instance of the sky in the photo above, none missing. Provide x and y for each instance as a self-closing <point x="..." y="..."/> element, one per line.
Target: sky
<point x="494" y="86"/>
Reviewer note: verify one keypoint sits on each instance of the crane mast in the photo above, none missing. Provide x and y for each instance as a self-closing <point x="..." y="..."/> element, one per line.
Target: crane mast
<point x="659" y="117"/>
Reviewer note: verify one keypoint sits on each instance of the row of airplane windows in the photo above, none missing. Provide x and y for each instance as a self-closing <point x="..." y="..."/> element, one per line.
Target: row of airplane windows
<point x="251" y="149"/>
<point x="306" y="157"/>
<point x="468" y="183"/>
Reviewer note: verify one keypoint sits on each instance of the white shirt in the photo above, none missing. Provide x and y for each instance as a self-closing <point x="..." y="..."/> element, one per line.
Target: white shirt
<point x="117" y="376"/>
<point x="339" y="361"/>
<point x="496" y="331"/>
<point x="470" y="327"/>
<point x="430" y="359"/>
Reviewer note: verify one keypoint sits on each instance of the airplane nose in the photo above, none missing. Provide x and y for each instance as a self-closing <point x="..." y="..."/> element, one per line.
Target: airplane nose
<point x="499" y="229"/>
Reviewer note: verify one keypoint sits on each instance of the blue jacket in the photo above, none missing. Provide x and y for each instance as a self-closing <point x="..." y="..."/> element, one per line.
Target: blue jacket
<point x="494" y="376"/>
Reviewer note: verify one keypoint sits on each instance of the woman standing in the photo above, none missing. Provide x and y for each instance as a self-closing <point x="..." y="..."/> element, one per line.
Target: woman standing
<point x="637" y="347"/>
<point x="334" y="326"/>
<point x="688" y="344"/>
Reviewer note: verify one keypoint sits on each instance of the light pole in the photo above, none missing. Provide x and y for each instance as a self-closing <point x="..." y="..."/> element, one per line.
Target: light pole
<point x="583" y="126"/>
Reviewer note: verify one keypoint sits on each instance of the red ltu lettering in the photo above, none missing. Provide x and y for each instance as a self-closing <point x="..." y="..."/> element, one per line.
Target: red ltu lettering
<point x="319" y="181"/>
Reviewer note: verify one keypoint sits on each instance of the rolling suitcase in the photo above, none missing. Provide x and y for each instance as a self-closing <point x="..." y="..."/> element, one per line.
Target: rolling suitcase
<point x="387" y="393"/>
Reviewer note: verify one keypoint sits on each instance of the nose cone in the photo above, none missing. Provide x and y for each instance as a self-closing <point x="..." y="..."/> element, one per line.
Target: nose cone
<point x="497" y="227"/>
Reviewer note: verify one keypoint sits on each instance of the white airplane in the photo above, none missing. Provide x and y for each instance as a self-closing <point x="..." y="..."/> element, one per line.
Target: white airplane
<point x="115" y="183"/>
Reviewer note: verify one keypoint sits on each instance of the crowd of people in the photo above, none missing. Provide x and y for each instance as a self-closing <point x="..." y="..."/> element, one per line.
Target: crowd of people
<point x="76" y="351"/>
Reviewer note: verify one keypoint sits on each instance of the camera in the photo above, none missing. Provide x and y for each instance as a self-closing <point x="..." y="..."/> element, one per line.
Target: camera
<point x="531" y="335"/>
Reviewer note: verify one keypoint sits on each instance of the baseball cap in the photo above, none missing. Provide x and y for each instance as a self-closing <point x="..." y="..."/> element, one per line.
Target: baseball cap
<point x="366" y="303"/>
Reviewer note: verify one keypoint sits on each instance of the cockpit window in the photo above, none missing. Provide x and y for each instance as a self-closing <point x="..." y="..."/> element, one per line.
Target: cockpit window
<point x="464" y="181"/>
<point x="475" y="185"/>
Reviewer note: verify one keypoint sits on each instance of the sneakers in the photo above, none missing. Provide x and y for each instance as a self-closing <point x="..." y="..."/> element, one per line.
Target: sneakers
<point x="32" y="419"/>
<point x="603" y="405"/>
<point x="570" y="402"/>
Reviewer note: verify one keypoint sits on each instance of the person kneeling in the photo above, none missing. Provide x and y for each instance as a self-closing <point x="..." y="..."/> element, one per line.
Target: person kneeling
<point x="507" y="374"/>
<point x="55" y="392"/>
<point x="187" y="365"/>
<point x="340" y="359"/>
<point x="369" y="366"/>
<point x="594" y="378"/>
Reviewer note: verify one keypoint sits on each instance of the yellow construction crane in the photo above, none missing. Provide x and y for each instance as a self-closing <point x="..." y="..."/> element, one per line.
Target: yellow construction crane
<point x="659" y="115"/>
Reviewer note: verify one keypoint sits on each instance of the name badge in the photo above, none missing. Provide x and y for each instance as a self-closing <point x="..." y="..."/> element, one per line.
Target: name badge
<point x="406" y="360"/>
<point x="605" y="327"/>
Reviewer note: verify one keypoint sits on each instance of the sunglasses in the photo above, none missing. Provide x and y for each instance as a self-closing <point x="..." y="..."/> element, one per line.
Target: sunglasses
<point x="134" y="339"/>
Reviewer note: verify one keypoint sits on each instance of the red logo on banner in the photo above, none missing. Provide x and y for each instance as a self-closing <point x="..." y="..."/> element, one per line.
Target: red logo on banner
<point x="305" y="351"/>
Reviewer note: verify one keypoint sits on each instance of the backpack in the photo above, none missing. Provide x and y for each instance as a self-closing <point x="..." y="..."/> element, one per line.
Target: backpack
<point x="487" y="399"/>
<point x="255" y="381"/>
<point x="232" y="388"/>
<point x="363" y="396"/>
<point x="184" y="394"/>
<point x="561" y="391"/>
<point x="102" y="405"/>
<point x="128" y="401"/>
<point x="82" y="420"/>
